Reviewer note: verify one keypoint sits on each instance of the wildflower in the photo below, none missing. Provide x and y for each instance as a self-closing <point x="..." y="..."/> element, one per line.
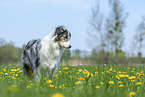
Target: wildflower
<point x="133" y="80"/>
<point x="139" y="83"/>
<point x="57" y="95"/>
<point x="103" y="73"/>
<point x="121" y="85"/>
<point x="60" y="86"/>
<point x="132" y="94"/>
<point x="4" y="70"/>
<point x="117" y="77"/>
<point x="14" y="90"/>
<point x="1" y="72"/>
<point x="80" y="70"/>
<point x="56" y="75"/>
<point x="28" y="86"/>
<point x="119" y="82"/>
<point x="121" y="75"/>
<point x="78" y="82"/>
<point x="126" y="75"/>
<point x="128" y="67"/>
<point x="51" y="85"/>
<point x="49" y="81"/>
<point x="102" y="83"/>
<point x="13" y="85"/>
<point x="13" y="77"/>
<point x="80" y="88"/>
<point x="132" y="77"/>
<point x="96" y="72"/>
<point x="32" y="84"/>
<point x="97" y="87"/>
<point x="105" y="65"/>
<point x="111" y="82"/>
<point x="16" y="75"/>
<point x="65" y="68"/>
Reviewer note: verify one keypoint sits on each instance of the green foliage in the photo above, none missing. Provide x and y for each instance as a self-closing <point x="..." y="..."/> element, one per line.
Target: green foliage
<point x="9" y="53"/>
<point x="76" y="81"/>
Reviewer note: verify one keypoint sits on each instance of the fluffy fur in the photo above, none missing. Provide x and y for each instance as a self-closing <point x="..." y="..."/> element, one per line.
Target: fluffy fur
<point x="43" y="56"/>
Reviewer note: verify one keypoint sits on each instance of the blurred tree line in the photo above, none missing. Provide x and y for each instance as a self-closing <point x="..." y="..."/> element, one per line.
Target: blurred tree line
<point x="9" y="54"/>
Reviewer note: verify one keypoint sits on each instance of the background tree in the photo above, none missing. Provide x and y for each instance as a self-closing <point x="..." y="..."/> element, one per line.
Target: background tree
<point x="114" y="26"/>
<point x="139" y="37"/>
<point x="95" y="30"/>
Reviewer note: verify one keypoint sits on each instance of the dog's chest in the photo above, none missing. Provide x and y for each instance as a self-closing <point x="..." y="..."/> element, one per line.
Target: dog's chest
<point x="49" y="56"/>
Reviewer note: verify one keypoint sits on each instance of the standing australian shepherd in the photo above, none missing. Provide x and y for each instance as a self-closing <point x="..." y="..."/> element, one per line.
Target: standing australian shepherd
<point x="43" y="56"/>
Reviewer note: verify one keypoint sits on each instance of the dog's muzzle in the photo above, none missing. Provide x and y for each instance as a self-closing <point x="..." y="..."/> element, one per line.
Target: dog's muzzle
<point x="66" y="45"/>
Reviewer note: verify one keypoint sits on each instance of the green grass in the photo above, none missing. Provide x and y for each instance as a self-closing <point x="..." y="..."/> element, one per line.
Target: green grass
<point x="76" y="81"/>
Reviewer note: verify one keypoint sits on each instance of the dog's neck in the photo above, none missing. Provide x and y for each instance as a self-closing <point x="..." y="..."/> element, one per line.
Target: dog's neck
<point x="48" y="45"/>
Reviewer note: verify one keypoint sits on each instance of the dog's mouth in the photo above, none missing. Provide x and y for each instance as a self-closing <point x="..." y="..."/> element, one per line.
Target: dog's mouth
<point x="65" y="45"/>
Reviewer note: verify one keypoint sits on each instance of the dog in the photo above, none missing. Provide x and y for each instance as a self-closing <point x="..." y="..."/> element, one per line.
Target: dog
<point x="42" y="57"/>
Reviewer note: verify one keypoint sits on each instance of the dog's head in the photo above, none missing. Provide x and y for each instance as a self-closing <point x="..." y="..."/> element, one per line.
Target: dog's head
<point x="62" y="36"/>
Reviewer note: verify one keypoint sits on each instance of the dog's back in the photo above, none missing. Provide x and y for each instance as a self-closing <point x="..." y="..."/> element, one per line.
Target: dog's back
<point x="30" y="56"/>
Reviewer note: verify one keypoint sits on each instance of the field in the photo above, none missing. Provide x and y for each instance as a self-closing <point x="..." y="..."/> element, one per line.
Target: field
<point x="76" y="81"/>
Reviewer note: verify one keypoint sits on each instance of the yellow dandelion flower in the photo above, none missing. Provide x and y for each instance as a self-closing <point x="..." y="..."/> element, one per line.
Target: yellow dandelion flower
<point x="1" y="72"/>
<point x="139" y="83"/>
<point x="102" y="83"/>
<point x="103" y="73"/>
<point x="117" y="77"/>
<point x="121" y="75"/>
<point x="56" y="75"/>
<point x="49" y="81"/>
<point x="60" y="86"/>
<point x="57" y="95"/>
<point x="107" y="71"/>
<point x="65" y="68"/>
<point x="14" y="90"/>
<point x="132" y="77"/>
<point x="111" y="82"/>
<point x="133" y="80"/>
<point x="13" y="77"/>
<point x="80" y="88"/>
<point x="110" y="69"/>
<point x="4" y="70"/>
<point x="28" y="86"/>
<point x="80" y="70"/>
<point x="126" y="75"/>
<point x="51" y="85"/>
<point x="16" y="74"/>
<point x="45" y="77"/>
<point x="77" y="73"/>
<point x="132" y="93"/>
<point x="78" y="82"/>
<point x="119" y="82"/>
<point x="13" y="85"/>
<point x="142" y="72"/>
<point x="32" y="84"/>
<point x="128" y="67"/>
<point x="96" y="72"/>
<point x="121" y="85"/>
<point x="97" y="87"/>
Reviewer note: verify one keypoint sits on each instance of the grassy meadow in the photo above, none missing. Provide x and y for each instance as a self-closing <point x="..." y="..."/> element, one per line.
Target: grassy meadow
<point x="76" y="81"/>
